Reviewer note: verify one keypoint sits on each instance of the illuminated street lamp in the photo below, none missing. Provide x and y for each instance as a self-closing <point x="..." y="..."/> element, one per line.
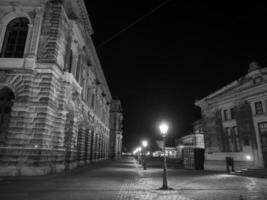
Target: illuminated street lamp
<point x="144" y="143"/>
<point x="163" y="131"/>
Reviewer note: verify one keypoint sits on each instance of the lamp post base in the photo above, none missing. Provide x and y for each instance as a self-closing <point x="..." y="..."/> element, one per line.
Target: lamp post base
<point x="165" y="188"/>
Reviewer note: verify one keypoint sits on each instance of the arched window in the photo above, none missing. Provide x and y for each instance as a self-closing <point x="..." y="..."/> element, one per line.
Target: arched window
<point x="6" y="102"/>
<point x="15" y="38"/>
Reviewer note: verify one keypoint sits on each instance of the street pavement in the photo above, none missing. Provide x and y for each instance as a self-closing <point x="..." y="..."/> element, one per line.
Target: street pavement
<point x="126" y="180"/>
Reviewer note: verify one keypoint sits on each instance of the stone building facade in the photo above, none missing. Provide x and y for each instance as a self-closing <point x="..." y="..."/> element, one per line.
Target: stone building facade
<point x="234" y="122"/>
<point x="116" y="117"/>
<point x="54" y="99"/>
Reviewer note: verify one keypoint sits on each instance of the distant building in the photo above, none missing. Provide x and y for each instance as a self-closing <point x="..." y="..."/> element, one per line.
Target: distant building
<point x="170" y="152"/>
<point x="54" y="98"/>
<point x="192" y="141"/>
<point x="116" y="117"/>
<point x="198" y="127"/>
<point x="234" y="121"/>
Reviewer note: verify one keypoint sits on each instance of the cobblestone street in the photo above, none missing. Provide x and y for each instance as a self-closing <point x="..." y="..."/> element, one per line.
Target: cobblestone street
<point x="125" y="179"/>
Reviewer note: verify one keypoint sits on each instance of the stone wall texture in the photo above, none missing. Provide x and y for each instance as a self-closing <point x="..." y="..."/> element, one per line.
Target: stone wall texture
<point x="53" y="126"/>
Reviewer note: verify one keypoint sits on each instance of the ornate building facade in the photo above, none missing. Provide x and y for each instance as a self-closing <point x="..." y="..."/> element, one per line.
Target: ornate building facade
<point x="116" y="126"/>
<point x="234" y="122"/>
<point x="54" y="99"/>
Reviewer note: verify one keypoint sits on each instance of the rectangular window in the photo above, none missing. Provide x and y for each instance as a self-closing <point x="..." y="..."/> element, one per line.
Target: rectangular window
<point x="233" y="140"/>
<point x="236" y="137"/>
<point x="258" y="108"/>
<point x="223" y="145"/>
<point x="229" y="140"/>
<point x="263" y="128"/>
<point x="232" y="113"/>
<point x="225" y="115"/>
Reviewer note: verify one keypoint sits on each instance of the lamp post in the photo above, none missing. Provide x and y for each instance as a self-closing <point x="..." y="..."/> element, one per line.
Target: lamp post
<point x="163" y="131"/>
<point x="139" y="154"/>
<point x="144" y="143"/>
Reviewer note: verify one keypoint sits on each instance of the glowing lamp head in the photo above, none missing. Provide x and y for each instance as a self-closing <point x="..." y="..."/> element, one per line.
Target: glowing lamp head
<point x="163" y="129"/>
<point x="144" y="143"/>
<point x="248" y="157"/>
<point x="139" y="148"/>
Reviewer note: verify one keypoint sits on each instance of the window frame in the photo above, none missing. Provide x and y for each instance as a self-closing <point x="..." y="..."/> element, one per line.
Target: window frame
<point x="232" y="113"/>
<point x="233" y="140"/>
<point x="6" y="35"/>
<point x="225" y="115"/>
<point x="265" y="128"/>
<point x="258" y="110"/>
<point x="236" y="139"/>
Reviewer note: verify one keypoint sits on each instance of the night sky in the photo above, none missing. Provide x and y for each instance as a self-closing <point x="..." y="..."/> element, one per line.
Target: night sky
<point x="172" y="56"/>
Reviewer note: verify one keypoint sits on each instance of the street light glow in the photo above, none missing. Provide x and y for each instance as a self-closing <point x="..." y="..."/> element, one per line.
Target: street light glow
<point x="163" y="128"/>
<point x="144" y="143"/>
<point x="248" y="157"/>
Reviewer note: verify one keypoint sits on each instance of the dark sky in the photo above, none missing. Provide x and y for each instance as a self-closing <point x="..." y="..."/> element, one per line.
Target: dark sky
<point x="181" y="52"/>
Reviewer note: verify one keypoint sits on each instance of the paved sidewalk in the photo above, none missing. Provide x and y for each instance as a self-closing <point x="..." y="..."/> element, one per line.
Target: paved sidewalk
<point x="190" y="184"/>
<point x="125" y="179"/>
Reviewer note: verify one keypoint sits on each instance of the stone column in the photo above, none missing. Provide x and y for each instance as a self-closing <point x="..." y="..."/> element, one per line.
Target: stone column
<point x="81" y="145"/>
<point x="101" y="146"/>
<point x="87" y="147"/>
<point x="95" y="147"/>
<point x="36" y="32"/>
<point x="92" y="146"/>
<point x="2" y="35"/>
<point x="106" y="147"/>
<point x="70" y="141"/>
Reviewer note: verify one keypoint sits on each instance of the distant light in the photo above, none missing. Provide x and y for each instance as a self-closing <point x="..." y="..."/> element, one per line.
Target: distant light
<point x="248" y="157"/>
<point x="35" y="146"/>
<point x="163" y="129"/>
<point x="144" y="143"/>
<point x="139" y="148"/>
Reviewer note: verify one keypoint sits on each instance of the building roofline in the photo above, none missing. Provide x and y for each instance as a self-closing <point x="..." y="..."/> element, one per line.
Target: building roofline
<point x="251" y="72"/>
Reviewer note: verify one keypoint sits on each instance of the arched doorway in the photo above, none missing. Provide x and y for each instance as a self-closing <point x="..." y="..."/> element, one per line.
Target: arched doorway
<point x="6" y="102"/>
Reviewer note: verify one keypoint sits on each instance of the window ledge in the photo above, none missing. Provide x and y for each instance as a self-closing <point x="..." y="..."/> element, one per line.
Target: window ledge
<point x="10" y="63"/>
<point x="260" y="114"/>
<point x="229" y="120"/>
